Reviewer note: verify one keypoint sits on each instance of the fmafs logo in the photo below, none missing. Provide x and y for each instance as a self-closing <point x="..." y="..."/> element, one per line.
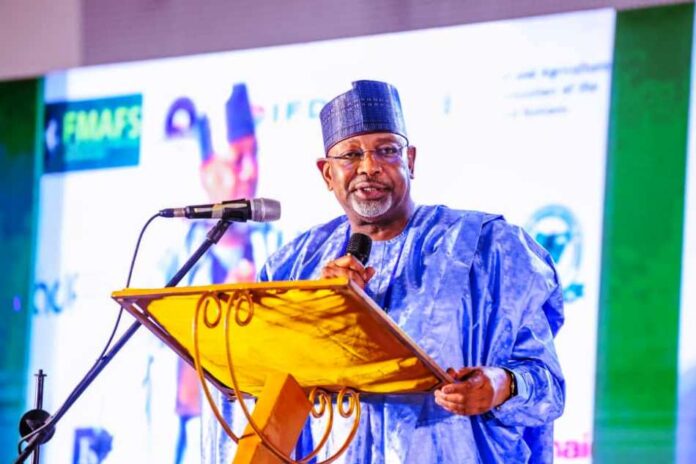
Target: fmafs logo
<point x="92" y="134"/>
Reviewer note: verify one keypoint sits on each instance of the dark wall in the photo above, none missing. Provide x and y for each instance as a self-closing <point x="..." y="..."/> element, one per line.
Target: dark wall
<point x="36" y="38"/>
<point x="127" y="30"/>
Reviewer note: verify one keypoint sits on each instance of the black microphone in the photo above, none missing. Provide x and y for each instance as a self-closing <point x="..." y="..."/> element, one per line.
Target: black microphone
<point x="359" y="245"/>
<point x="256" y="209"/>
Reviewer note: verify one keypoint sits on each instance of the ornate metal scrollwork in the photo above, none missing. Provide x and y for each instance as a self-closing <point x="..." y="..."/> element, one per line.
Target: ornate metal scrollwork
<point x="320" y="399"/>
<point x="203" y="302"/>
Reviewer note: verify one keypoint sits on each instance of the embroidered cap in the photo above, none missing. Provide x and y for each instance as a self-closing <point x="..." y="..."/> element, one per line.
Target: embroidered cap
<point x="370" y="106"/>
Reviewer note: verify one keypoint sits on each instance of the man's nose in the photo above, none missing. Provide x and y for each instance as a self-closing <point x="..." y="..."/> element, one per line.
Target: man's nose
<point x="369" y="164"/>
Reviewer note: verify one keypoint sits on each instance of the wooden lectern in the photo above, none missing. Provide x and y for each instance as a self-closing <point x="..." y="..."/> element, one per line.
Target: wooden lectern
<point x="292" y="345"/>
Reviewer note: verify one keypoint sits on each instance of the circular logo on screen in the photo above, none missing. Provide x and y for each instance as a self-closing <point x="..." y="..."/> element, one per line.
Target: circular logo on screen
<point x="557" y="229"/>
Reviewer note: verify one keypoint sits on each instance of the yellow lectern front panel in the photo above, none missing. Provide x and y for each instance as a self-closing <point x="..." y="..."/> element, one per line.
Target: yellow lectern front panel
<point x="324" y="333"/>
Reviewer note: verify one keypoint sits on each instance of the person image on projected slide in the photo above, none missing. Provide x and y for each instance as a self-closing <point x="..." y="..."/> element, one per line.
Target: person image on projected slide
<point x="476" y="293"/>
<point x="227" y="174"/>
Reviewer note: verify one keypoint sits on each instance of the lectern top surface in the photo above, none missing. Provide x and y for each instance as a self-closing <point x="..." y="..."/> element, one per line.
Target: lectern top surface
<point x="325" y="333"/>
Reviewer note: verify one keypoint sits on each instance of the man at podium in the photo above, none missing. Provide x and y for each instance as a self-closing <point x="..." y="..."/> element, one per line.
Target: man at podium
<point x="476" y="293"/>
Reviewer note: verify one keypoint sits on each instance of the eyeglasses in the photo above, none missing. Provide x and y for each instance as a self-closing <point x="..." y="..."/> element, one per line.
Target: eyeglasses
<point x="384" y="154"/>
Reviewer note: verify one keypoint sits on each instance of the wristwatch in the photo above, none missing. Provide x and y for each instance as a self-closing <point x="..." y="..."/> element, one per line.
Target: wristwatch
<point x="513" y="383"/>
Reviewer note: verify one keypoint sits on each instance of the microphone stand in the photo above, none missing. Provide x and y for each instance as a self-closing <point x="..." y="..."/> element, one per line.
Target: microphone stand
<point x="212" y="238"/>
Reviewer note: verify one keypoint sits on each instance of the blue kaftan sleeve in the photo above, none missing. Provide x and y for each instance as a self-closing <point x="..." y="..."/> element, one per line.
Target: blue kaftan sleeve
<point x="522" y="282"/>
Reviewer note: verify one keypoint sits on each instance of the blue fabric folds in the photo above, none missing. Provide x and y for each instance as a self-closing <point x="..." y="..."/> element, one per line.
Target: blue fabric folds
<point x="471" y="290"/>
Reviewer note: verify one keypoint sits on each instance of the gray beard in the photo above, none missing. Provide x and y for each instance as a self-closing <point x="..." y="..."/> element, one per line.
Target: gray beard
<point x="371" y="209"/>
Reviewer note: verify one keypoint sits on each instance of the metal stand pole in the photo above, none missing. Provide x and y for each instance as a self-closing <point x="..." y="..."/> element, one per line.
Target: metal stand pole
<point x="36" y="418"/>
<point x="36" y="458"/>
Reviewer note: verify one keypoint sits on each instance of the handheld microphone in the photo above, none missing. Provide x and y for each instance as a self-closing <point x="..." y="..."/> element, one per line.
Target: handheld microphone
<point x="256" y="209"/>
<point x="359" y="245"/>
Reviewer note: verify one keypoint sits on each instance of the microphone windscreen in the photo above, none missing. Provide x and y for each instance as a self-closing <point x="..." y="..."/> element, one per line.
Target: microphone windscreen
<point x="359" y="245"/>
<point x="264" y="210"/>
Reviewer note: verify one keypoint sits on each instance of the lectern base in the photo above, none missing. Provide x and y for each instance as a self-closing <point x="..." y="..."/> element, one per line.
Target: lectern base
<point x="280" y="413"/>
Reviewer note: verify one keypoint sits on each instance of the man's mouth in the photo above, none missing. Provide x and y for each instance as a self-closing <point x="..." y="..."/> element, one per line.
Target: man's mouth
<point x="370" y="190"/>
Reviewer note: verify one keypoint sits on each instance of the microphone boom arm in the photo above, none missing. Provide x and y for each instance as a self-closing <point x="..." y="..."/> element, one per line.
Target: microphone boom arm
<point x="212" y="238"/>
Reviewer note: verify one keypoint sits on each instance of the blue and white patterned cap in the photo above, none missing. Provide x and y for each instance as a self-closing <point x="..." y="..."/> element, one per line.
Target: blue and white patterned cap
<point x="370" y="106"/>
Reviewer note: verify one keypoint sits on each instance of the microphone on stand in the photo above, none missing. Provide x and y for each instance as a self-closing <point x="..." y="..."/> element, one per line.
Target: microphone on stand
<point x="242" y="210"/>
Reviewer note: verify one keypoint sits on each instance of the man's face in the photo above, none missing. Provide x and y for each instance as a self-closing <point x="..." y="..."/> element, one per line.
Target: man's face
<point x="234" y="174"/>
<point x="374" y="189"/>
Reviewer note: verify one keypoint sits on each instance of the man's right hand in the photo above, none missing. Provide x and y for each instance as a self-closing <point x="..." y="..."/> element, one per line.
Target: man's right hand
<point x="348" y="266"/>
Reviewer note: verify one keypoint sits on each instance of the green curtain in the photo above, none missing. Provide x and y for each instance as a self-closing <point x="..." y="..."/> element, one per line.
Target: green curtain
<point x="20" y="110"/>
<point x="637" y="358"/>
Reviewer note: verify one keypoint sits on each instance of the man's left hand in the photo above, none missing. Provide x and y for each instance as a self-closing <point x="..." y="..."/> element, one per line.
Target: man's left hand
<point x="479" y="390"/>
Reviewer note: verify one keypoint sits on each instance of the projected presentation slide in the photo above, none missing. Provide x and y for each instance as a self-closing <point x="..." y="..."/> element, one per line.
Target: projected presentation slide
<point x="508" y="117"/>
<point x="686" y="418"/>
<point x="686" y="428"/>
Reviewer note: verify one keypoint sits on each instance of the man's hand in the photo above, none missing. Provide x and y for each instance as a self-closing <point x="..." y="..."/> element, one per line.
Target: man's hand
<point x="348" y="266"/>
<point x="479" y="390"/>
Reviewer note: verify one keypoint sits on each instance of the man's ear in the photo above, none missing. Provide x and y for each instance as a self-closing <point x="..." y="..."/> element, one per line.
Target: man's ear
<point x="411" y="154"/>
<point x="325" y="170"/>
